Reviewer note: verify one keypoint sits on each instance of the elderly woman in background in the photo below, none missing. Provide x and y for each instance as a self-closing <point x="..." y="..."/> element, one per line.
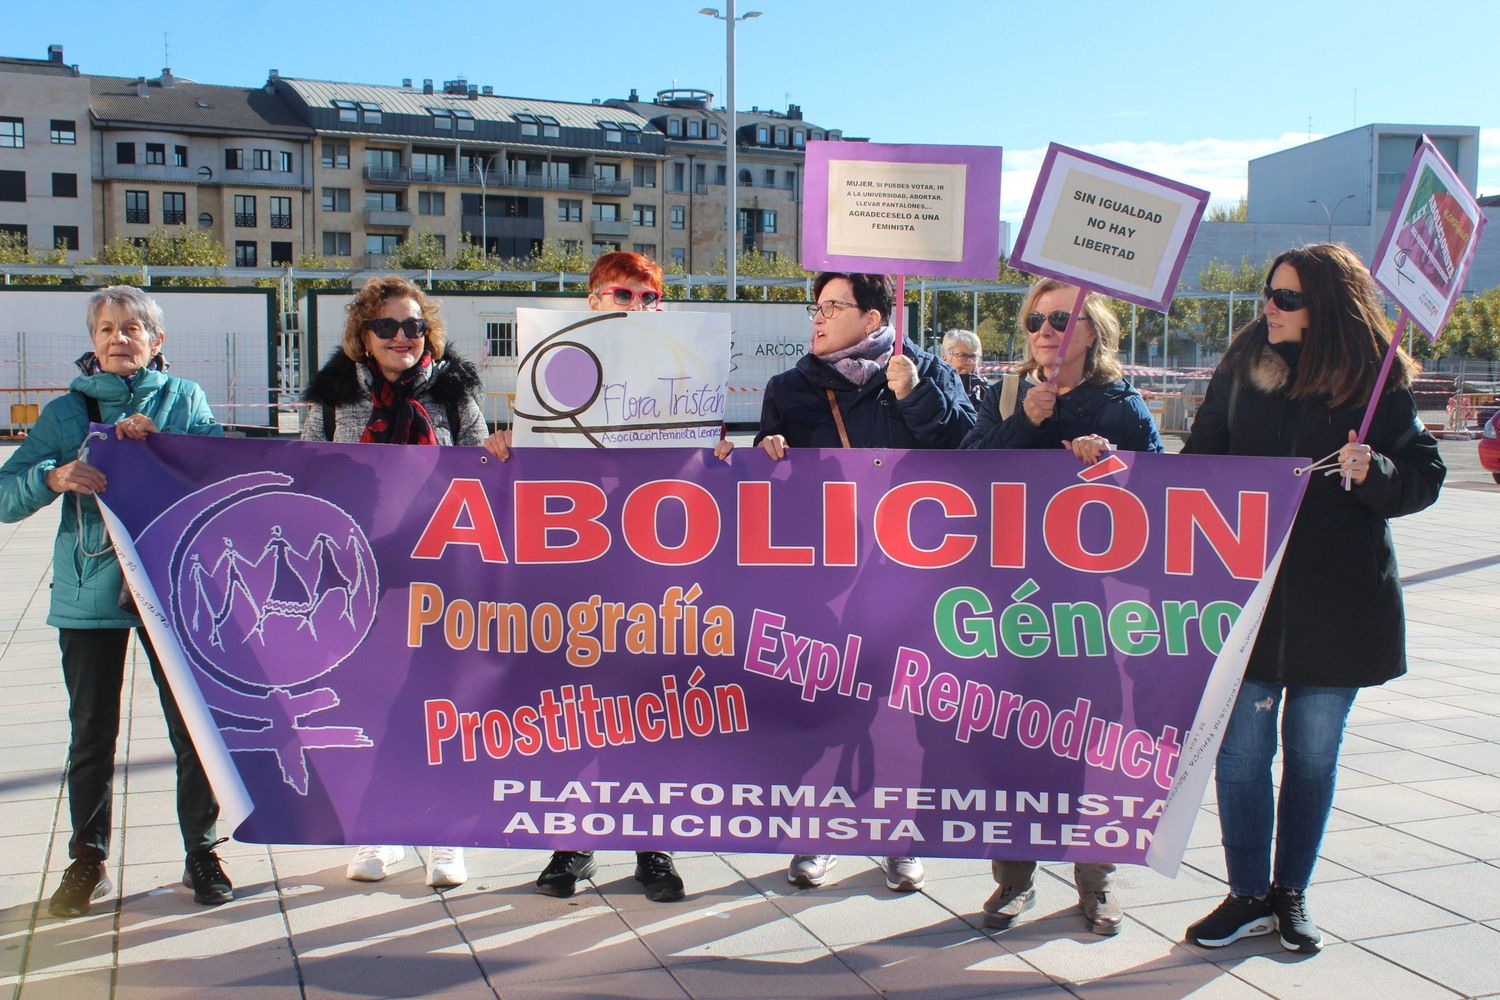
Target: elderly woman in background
<point x="124" y="382"/>
<point x="961" y="349"/>
<point x="393" y="382"/>
<point x="1079" y="401"/>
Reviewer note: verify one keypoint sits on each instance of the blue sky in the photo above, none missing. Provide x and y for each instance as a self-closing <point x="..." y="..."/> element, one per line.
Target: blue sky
<point x="1191" y="90"/>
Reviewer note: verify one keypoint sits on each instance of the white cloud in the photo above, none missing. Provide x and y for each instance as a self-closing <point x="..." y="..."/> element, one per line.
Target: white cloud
<point x="1219" y="166"/>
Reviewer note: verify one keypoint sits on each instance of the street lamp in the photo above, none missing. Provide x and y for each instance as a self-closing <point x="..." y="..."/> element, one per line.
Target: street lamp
<point x="484" y="221"/>
<point x="731" y="258"/>
<point x="1327" y="214"/>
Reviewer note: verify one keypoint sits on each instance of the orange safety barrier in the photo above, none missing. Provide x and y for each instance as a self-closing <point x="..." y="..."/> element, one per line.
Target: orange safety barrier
<point x="23" y="407"/>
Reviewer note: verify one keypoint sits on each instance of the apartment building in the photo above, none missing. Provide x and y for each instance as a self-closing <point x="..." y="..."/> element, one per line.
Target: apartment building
<point x="45" y="196"/>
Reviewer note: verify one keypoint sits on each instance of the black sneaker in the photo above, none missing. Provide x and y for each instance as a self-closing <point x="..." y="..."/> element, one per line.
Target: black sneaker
<point x="560" y="877"/>
<point x="205" y="876"/>
<point x="82" y="883"/>
<point x="1237" y="917"/>
<point x="655" y="871"/>
<point x="1298" y="932"/>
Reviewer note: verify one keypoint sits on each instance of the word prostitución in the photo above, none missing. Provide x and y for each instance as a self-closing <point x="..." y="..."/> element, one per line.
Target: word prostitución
<point x="555" y="522"/>
<point x="569" y="718"/>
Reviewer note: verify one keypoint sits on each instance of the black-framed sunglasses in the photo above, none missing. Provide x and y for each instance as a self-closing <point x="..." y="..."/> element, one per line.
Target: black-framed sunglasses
<point x="385" y="328"/>
<point x="1286" y="300"/>
<point x="1057" y="317"/>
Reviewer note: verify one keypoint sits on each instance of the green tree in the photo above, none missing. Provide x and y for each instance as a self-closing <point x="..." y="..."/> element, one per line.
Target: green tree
<point x="418" y="252"/>
<point x="1238" y="213"/>
<point x="1213" y="321"/>
<point x="1473" y="331"/>
<point x="14" y="250"/>
<point x="165" y="248"/>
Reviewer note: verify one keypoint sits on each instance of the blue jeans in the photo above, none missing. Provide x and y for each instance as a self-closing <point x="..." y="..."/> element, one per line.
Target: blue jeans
<point x="1312" y="727"/>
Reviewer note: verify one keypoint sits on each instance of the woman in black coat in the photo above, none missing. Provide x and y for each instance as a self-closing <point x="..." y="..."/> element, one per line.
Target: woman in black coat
<point x="1296" y="382"/>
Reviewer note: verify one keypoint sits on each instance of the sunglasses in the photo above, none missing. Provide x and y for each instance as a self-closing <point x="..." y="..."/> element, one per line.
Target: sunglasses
<point x="1057" y="317"/>
<point x="1286" y="300"/>
<point x="625" y="296"/>
<point x="386" y="328"/>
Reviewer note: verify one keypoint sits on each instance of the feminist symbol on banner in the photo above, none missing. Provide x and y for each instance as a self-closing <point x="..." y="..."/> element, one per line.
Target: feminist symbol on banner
<point x="304" y="592"/>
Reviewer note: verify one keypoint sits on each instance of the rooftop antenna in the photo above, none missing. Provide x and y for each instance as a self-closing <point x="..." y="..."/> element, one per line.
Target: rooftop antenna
<point x="1309" y="128"/>
<point x="166" y="49"/>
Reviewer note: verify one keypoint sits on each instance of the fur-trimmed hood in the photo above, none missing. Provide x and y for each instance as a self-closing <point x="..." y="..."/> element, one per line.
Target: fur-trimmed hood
<point x="340" y="382"/>
<point x="1269" y="372"/>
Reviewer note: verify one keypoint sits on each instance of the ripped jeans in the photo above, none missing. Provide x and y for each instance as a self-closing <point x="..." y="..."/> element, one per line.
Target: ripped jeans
<point x="1312" y="727"/>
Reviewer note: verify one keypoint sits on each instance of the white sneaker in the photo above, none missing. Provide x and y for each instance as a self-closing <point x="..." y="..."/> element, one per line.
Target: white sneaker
<point x="810" y="869"/>
<point x="904" y="874"/>
<point x="369" y="864"/>
<point x="445" y="867"/>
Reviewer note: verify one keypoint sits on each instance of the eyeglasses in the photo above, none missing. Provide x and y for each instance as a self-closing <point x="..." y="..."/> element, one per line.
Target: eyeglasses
<point x="625" y="296"/>
<point x="385" y="328"/>
<point x="1057" y="317"/>
<point x="828" y="308"/>
<point x="1286" y="300"/>
<point x="963" y="355"/>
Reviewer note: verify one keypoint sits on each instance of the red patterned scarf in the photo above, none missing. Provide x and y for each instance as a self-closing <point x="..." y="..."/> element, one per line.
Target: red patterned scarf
<point x="396" y="417"/>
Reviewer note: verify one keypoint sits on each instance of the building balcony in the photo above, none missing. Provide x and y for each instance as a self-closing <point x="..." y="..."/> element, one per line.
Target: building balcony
<point x="602" y="227"/>
<point x="281" y="222"/>
<point x="138" y="215"/>
<point x="170" y="218"/>
<point x="497" y="179"/>
<point x="244" y="220"/>
<point x="385" y="217"/>
<point x="399" y="176"/>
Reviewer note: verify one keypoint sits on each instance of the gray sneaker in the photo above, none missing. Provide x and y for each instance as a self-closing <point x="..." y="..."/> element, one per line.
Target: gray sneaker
<point x="810" y="869"/>
<point x="1006" y="904"/>
<point x="904" y="874"/>
<point x="1102" y="912"/>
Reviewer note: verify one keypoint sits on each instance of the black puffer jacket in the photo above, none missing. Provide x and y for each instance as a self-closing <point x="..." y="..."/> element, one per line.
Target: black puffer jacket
<point x="455" y="385"/>
<point x="1335" y="615"/>
<point x="936" y="414"/>
<point x="1114" y="410"/>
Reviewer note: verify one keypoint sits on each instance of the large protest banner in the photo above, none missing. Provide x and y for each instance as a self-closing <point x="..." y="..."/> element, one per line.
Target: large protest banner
<point x="950" y="654"/>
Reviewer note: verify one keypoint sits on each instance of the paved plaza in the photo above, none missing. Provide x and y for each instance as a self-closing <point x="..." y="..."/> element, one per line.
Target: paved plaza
<point x="1407" y="891"/>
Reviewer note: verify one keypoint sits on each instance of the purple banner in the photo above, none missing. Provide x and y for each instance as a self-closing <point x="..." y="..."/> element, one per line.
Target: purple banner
<point x="962" y="654"/>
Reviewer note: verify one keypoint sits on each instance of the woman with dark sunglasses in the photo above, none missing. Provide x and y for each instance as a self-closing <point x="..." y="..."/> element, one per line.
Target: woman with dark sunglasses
<point x="392" y="381"/>
<point x="1079" y="401"/>
<point x="1296" y="381"/>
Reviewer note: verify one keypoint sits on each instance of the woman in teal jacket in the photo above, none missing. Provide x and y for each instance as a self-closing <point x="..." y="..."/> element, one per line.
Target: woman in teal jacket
<point x="124" y="382"/>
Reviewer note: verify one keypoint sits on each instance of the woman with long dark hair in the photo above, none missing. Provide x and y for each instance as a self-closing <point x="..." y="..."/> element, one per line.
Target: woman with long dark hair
<point x="1296" y="382"/>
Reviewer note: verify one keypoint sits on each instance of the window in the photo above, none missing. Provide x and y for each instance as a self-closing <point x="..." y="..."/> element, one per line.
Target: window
<point x="382" y="161"/>
<point x="606" y="171"/>
<point x="647" y="249"/>
<point x="12" y="185"/>
<point x="679" y="217"/>
<point x="244" y="253"/>
<point x="763" y="134"/>
<point x="721" y="171"/>
<point x="12" y="133"/>
<point x="606" y="211"/>
<point x="432" y="203"/>
<point x="281" y="212"/>
<point x="817" y="136"/>
<point x="679" y="176"/>
<point x="65" y="133"/>
<point x="262" y="159"/>
<point x="179" y="156"/>
<point x="124" y="152"/>
<point x="770" y="177"/>
<point x="348" y="111"/>
<point x="16" y="229"/>
<point x="156" y="154"/>
<point x="465" y="120"/>
<point x="643" y="215"/>
<point x="335" y="155"/>
<point x="281" y="255"/>
<point x="767" y="221"/>
<point x="700" y="173"/>
<point x="244" y="210"/>
<point x="137" y="206"/>
<point x="679" y="256"/>
<point x="65" y="185"/>
<point x="442" y="119"/>
<point x="529" y="123"/>
<point x="645" y="175"/>
<point x="381" y="244"/>
<point x="695" y="128"/>
<point x="173" y="208"/>
<point x="500" y="338"/>
<point x="674" y="126"/>
<point x="335" y="199"/>
<point x="383" y="201"/>
<point x="745" y="178"/>
<point x="781" y="135"/>
<point x="569" y="210"/>
<point x="612" y="132"/>
<point x="551" y="127"/>
<point x="799" y="137"/>
<point x="791" y="180"/>
<point x="713" y="130"/>
<point x="335" y="244"/>
<point x="284" y="162"/>
<point x="441" y="242"/>
<point x="65" y="237"/>
<point x="234" y="159"/>
<point x="371" y="112"/>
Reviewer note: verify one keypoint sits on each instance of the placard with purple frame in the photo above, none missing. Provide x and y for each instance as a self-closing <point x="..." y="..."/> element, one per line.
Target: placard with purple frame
<point x="1107" y="227"/>
<point x="902" y="209"/>
<point x="1429" y="241"/>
